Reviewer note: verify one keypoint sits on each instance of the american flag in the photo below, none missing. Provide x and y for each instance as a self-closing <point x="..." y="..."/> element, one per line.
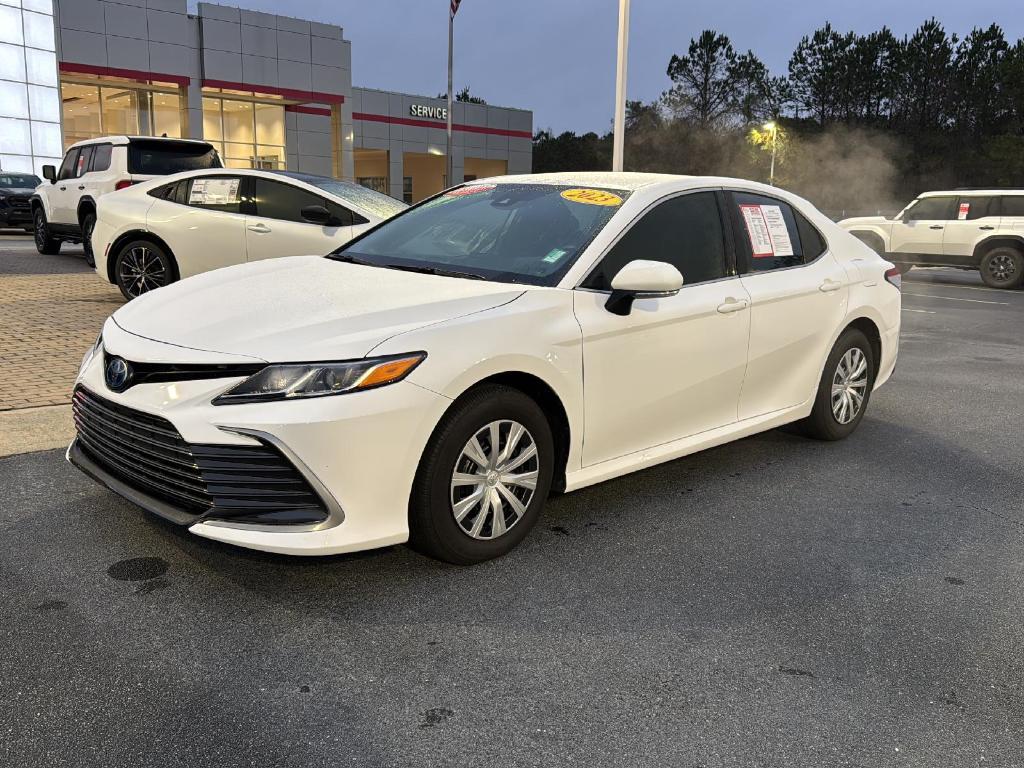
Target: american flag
<point x="455" y="7"/>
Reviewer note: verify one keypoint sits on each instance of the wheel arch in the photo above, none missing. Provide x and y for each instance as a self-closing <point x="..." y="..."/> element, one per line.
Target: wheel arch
<point x="85" y="205"/>
<point x="869" y="328"/>
<point x="137" y="234"/>
<point x="542" y="393"/>
<point x="996" y="241"/>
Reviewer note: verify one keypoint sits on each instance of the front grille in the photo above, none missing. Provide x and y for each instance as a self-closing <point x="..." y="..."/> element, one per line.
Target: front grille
<point x="18" y="201"/>
<point x="254" y="484"/>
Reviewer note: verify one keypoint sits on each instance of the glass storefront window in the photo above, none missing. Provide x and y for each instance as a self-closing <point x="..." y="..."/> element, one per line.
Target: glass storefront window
<point x="92" y="110"/>
<point x="248" y="134"/>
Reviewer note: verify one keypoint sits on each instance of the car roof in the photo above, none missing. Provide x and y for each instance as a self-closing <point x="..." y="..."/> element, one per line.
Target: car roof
<point x="631" y="181"/>
<point x="973" y="192"/>
<point x="122" y="139"/>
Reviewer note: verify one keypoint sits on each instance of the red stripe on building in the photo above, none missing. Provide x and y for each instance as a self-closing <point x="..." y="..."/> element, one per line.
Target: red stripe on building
<point x="131" y="74"/>
<point x="287" y="93"/>
<point x="307" y="110"/>
<point x="432" y="124"/>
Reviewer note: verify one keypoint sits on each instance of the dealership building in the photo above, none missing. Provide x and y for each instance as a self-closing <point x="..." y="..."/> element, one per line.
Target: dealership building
<point x="268" y="91"/>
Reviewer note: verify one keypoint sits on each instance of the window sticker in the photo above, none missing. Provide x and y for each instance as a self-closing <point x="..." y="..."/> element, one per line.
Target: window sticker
<point x="592" y="197"/>
<point x="757" y="231"/>
<point x="554" y="256"/>
<point x="214" y="192"/>
<point x="964" y="212"/>
<point x="767" y="230"/>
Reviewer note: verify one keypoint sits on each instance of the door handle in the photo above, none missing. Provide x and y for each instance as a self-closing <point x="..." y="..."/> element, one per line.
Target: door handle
<point x="733" y="305"/>
<point x="935" y="226"/>
<point x="259" y="228"/>
<point x="63" y="188"/>
<point x="986" y="227"/>
<point x="830" y="285"/>
<point x="81" y="186"/>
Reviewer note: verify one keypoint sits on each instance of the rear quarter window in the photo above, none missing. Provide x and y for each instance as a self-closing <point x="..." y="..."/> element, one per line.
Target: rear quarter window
<point x="161" y="158"/>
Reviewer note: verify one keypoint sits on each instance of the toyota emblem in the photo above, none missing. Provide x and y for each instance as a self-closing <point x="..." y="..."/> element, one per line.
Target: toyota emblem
<point x="118" y="374"/>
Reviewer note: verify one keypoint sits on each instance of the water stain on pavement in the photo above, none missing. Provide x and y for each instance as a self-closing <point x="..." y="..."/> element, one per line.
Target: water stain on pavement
<point x="52" y="605"/>
<point x="795" y="672"/>
<point x="954" y="581"/>
<point x="138" y="569"/>
<point x="435" y="716"/>
<point x="561" y="530"/>
<point x="152" y="585"/>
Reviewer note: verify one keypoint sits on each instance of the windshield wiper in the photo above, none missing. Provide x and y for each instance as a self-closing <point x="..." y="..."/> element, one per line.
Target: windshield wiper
<point x="434" y="271"/>
<point x="350" y="259"/>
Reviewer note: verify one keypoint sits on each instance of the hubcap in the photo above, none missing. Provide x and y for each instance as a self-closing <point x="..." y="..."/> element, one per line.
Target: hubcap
<point x="141" y="270"/>
<point x="494" y="479"/>
<point x="1002" y="267"/>
<point x="849" y="385"/>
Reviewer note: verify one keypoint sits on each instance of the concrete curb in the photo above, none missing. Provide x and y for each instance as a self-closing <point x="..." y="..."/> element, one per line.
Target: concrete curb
<point x="35" y="429"/>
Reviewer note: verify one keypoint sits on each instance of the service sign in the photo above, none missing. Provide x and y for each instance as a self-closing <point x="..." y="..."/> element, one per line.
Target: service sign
<point x="423" y="110"/>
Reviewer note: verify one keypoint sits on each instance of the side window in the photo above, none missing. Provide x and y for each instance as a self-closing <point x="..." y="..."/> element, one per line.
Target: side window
<point x="216" y="193"/>
<point x="1012" y="205"/>
<point x="67" y="168"/>
<point x="344" y="215"/>
<point x="166" y="192"/>
<point x="932" y="209"/>
<point x="101" y="157"/>
<point x="684" y="231"/>
<point x="277" y="200"/>
<point x="810" y="238"/>
<point x="767" y="235"/>
<point x="84" y="158"/>
<point x="972" y="208"/>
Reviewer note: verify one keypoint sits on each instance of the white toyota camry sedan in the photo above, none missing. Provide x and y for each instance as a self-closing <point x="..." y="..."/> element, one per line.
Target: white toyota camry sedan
<point x="435" y="379"/>
<point x="166" y="229"/>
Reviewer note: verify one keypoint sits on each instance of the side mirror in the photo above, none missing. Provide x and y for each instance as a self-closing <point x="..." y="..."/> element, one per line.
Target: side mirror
<point x="50" y="173"/>
<point x="317" y="214"/>
<point x="642" y="279"/>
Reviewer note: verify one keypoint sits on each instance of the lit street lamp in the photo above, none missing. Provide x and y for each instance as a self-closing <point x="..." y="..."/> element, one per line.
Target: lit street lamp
<point x="771" y="126"/>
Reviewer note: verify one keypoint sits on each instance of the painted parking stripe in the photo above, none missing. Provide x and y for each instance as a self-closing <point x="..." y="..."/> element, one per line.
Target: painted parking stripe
<point x="954" y="298"/>
<point x="922" y="311"/>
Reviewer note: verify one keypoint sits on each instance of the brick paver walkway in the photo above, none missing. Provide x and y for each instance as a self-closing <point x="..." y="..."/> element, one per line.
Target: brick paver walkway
<point x="47" y="322"/>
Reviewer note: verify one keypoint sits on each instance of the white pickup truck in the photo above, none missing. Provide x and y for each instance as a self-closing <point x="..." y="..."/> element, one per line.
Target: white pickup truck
<point x="980" y="229"/>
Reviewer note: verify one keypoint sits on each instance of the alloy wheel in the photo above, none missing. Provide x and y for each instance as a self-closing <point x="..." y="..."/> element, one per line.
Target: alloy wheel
<point x="494" y="479"/>
<point x="1002" y="267"/>
<point x="141" y="270"/>
<point x="40" y="231"/>
<point x="849" y="385"/>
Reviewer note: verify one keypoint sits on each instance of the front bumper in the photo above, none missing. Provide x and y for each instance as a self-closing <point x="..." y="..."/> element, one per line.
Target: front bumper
<point x="359" y="452"/>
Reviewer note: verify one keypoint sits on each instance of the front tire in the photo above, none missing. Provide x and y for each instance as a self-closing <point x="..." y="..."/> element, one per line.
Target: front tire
<point x="844" y="389"/>
<point x="484" y="477"/>
<point x="142" y="266"/>
<point x="46" y="245"/>
<point x="88" y="225"/>
<point x="1002" y="267"/>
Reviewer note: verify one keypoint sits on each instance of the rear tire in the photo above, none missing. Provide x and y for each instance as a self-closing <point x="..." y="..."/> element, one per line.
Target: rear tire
<point x="452" y="512"/>
<point x="844" y="389"/>
<point x="45" y="244"/>
<point x="88" y="224"/>
<point x="142" y="266"/>
<point x="1002" y="267"/>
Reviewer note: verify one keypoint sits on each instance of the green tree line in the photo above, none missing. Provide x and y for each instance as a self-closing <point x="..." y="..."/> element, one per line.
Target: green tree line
<point x="869" y="120"/>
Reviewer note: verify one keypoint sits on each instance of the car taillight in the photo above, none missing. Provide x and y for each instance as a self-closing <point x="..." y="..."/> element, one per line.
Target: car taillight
<point x="893" y="277"/>
<point x="123" y="184"/>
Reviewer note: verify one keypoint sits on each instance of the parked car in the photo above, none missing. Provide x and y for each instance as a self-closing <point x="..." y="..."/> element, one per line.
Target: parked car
<point x="15" y="194"/>
<point x="965" y="228"/>
<point x="168" y="229"/>
<point x="65" y="209"/>
<point x="435" y="378"/>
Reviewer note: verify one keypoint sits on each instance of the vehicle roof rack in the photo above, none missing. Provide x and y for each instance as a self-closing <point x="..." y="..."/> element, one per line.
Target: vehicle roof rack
<point x="988" y="189"/>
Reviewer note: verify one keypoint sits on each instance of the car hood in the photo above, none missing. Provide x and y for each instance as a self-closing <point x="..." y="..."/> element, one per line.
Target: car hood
<point x="17" y="190"/>
<point x="305" y="308"/>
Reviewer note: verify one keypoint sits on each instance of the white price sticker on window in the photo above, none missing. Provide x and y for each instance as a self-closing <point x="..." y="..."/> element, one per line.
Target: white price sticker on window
<point x="766" y="227"/>
<point x="214" y="192"/>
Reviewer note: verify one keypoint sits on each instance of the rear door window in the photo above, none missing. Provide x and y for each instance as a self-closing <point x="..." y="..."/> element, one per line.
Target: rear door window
<point x="101" y="157"/>
<point x="767" y="234"/>
<point x="84" y="159"/>
<point x="161" y="158"/>
<point x="216" y="193"/>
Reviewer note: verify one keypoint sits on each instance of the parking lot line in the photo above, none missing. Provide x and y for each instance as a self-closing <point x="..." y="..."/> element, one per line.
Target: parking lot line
<point x="922" y="311"/>
<point x="955" y="298"/>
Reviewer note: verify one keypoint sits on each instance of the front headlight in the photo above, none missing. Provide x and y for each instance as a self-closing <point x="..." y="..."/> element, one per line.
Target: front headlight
<point x="291" y="381"/>
<point x="87" y="358"/>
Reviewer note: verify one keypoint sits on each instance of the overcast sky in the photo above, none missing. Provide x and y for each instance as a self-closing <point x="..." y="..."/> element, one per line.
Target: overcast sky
<point x="557" y="57"/>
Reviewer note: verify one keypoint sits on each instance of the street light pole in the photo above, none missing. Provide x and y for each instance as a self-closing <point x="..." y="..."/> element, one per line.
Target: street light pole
<point x="618" y="139"/>
<point x="774" y="128"/>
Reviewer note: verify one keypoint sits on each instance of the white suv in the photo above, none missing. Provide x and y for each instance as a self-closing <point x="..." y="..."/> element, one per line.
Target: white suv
<point x="66" y="208"/>
<point x="968" y="229"/>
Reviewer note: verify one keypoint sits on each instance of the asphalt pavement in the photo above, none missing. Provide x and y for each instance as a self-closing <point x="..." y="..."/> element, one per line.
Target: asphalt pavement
<point x="773" y="602"/>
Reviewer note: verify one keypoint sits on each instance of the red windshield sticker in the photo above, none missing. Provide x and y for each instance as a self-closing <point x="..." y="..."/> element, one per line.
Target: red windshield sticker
<point x="757" y="230"/>
<point x="473" y="189"/>
<point x="965" y="210"/>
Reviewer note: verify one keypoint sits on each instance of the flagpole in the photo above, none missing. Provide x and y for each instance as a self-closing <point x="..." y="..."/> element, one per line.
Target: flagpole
<point x="448" y="153"/>
<point x="618" y="140"/>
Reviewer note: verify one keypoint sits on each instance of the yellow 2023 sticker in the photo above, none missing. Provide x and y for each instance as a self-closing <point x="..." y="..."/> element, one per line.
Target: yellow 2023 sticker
<point x="592" y="197"/>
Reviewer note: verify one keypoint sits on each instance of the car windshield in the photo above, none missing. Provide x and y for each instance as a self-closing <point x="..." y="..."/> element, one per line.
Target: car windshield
<point x="19" y="181"/>
<point x="524" y="233"/>
<point x="367" y="199"/>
